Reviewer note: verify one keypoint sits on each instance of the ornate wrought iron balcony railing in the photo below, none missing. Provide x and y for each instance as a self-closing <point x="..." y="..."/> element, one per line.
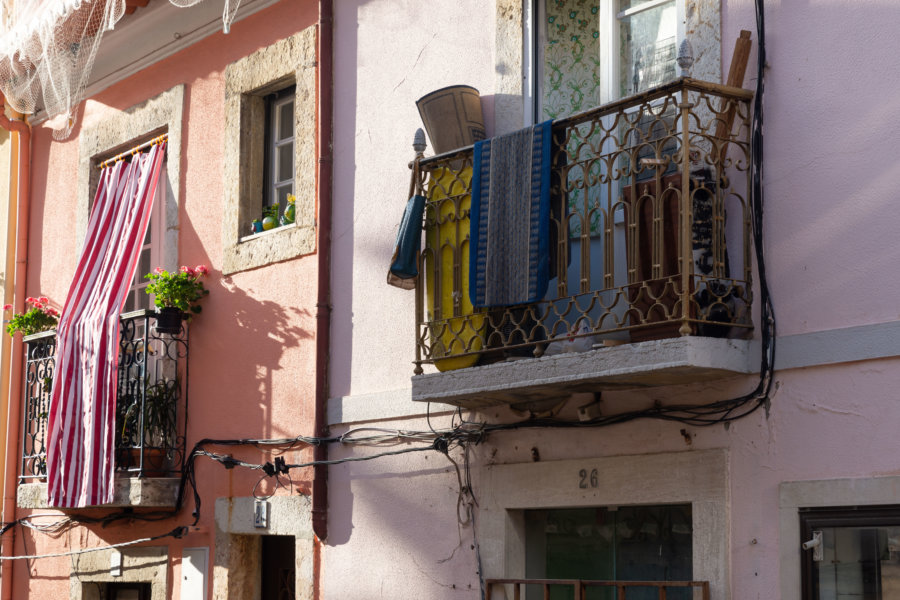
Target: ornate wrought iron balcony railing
<point x="649" y="233"/>
<point x="151" y="399"/>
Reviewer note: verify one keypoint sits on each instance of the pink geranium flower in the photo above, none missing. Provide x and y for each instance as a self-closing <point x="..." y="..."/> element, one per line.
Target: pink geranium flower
<point x="181" y="289"/>
<point x="39" y="317"/>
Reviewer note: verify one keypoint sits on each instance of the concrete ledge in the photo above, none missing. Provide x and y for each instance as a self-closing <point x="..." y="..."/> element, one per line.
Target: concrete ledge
<point x="672" y="361"/>
<point x="135" y="492"/>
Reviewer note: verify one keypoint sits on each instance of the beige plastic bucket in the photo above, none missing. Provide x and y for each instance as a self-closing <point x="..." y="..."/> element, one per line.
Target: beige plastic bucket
<point x="452" y="117"/>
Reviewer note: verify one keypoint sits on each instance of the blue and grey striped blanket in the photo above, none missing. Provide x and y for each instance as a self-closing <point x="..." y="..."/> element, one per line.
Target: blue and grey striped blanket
<point x="510" y="218"/>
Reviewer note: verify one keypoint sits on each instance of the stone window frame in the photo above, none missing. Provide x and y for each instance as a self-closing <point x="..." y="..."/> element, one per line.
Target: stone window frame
<point x="821" y="493"/>
<point x="291" y="61"/>
<point x="163" y="113"/>
<point x="699" y="478"/>
<point x="148" y="564"/>
<point x="238" y="550"/>
<point x="702" y="26"/>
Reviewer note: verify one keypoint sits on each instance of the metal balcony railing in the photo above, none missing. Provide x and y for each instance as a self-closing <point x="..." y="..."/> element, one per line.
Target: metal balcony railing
<point x="151" y="399"/>
<point x="581" y="589"/>
<point x="649" y="233"/>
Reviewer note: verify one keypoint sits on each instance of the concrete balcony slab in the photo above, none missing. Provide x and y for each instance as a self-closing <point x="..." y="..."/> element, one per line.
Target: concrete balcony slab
<point x="132" y="492"/>
<point x="672" y="361"/>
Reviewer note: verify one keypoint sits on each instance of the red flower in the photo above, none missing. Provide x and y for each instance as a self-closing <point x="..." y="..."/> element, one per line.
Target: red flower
<point x="31" y="300"/>
<point x="201" y="269"/>
<point x="7" y="307"/>
<point x="158" y="270"/>
<point x="44" y="300"/>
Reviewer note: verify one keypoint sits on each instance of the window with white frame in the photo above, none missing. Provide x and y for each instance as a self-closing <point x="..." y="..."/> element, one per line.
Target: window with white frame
<point x="151" y="250"/>
<point x="585" y="54"/>
<point x="279" y="180"/>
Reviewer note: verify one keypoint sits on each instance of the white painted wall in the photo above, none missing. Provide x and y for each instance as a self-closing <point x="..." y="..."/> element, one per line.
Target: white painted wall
<point x="831" y="181"/>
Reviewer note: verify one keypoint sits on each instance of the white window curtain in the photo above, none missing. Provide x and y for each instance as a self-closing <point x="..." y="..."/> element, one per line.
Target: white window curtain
<point x="82" y="412"/>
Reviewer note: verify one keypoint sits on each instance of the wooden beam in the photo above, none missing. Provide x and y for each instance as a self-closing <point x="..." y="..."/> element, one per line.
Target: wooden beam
<point x="735" y="79"/>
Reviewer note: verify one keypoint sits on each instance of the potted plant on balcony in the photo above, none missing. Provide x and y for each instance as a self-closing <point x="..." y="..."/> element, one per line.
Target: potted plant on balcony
<point x="40" y="317"/>
<point x="175" y="295"/>
<point x="157" y="439"/>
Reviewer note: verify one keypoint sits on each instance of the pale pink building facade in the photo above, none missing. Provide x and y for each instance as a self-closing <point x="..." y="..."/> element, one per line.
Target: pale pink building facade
<point x="301" y="327"/>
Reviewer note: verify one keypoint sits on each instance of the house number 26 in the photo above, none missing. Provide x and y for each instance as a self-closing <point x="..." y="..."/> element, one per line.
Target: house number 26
<point x="587" y="479"/>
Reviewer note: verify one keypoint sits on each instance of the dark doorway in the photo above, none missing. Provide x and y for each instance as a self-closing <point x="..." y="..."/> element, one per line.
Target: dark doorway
<point x="278" y="559"/>
<point x="128" y="591"/>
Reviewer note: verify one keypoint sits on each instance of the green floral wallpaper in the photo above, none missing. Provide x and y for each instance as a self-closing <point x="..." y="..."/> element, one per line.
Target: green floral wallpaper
<point x="571" y="57"/>
<point x="571" y="81"/>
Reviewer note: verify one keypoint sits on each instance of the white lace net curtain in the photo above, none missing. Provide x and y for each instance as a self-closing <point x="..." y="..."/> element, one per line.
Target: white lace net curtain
<point x="47" y="50"/>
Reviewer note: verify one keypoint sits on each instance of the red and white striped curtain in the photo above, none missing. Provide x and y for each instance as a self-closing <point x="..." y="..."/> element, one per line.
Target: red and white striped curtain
<point x="82" y="414"/>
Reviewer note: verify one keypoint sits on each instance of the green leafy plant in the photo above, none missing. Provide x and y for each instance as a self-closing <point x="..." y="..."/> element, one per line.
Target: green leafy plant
<point x="270" y="211"/>
<point x="40" y="317"/>
<point x="159" y="416"/>
<point x="181" y="289"/>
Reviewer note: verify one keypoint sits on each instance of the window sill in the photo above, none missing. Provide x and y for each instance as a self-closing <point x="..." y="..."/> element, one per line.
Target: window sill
<point x="262" y="234"/>
<point x="135" y="492"/>
<point x="672" y="361"/>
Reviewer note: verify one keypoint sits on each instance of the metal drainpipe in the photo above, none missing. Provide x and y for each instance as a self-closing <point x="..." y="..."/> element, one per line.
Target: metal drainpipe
<point x="323" y="302"/>
<point x="15" y="375"/>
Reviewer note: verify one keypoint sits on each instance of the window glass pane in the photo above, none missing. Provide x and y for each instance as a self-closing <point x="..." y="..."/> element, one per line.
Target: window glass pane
<point x="129" y="302"/>
<point x="282" y="193"/>
<point x="636" y="543"/>
<point x="648" y="42"/>
<point x="569" y="53"/>
<point x="286" y="120"/>
<point x="144" y="267"/>
<point x="858" y="562"/>
<point x="285" y="163"/>
<point x="142" y="299"/>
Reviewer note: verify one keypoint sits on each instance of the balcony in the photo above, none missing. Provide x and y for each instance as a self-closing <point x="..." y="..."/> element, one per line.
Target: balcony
<point x="151" y="413"/>
<point x="650" y="258"/>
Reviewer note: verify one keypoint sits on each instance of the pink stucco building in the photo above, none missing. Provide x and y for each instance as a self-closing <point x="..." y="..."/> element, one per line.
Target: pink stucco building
<point x="674" y="362"/>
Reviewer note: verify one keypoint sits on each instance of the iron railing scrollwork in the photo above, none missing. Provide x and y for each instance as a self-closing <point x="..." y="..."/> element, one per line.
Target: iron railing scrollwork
<point x="649" y="233"/>
<point x="151" y="399"/>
